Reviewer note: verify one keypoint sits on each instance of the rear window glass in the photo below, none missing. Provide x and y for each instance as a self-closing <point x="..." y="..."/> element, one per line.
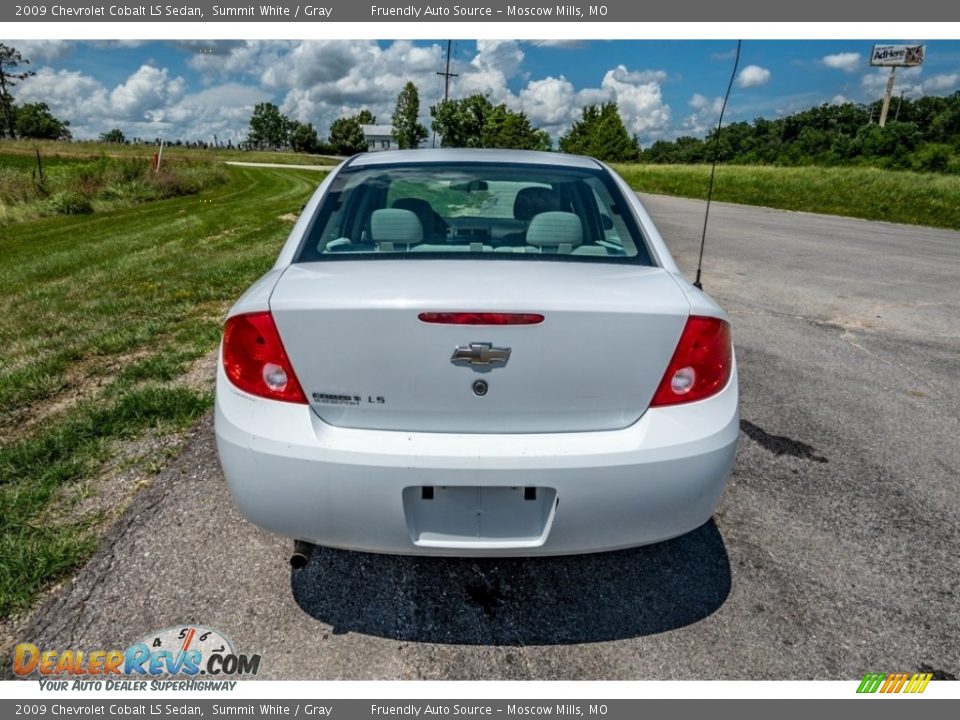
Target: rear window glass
<point x="482" y="209"/>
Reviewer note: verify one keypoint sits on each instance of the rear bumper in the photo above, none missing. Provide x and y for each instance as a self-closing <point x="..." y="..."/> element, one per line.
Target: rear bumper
<point x="293" y="474"/>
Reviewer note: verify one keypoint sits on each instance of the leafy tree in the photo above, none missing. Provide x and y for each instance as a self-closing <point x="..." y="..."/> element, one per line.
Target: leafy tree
<point x="10" y="60"/>
<point x="892" y="143"/>
<point x="922" y="134"/>
<point x="113" y="136"/>
<point x="303" y="137"/>
<point x="407" y="130"/>
<point x="460" y="122"/>
<point x="346" y="136"/>
<point x="933" y="157"/>
<point x="365" y="117"/>
<point x="474" y="122"/>
<point x="684" y="149"/>
<point x="507" y="129"/>
<point x="268" y="126"/>
<point x="600" y="133"/>
<point x="34" y="120"/>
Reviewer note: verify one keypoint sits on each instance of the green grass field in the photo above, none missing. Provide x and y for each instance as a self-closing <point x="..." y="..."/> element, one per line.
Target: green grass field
<point x="863" y="192"/>
<point x="103" y="314"/>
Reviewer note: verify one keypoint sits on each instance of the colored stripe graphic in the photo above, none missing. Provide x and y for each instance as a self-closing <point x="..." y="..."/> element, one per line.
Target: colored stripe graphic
<point x="918" y="683"/>
<point x="871" y="682"/>
<point x="894" y="682"/>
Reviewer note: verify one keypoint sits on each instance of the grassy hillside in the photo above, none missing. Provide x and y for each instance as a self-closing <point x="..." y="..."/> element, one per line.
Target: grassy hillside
<point x="863" y="192"/>
<point x="77" y="185"/>
<point x="104" y="316"/>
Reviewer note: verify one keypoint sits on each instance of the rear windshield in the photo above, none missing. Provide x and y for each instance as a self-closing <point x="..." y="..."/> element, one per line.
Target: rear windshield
<point x="485" y="210"/>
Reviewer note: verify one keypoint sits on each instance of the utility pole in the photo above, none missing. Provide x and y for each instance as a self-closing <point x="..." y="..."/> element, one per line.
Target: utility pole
<point x="886" y="97"/>
<point x="896" y="115"/>
<point x="447" y="74"/>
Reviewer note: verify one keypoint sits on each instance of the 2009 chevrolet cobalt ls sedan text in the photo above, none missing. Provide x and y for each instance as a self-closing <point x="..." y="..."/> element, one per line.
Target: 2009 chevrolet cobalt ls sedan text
<point x="475" y="352"/>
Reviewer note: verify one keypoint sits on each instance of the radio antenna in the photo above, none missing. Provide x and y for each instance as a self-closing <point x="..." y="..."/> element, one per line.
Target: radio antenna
<point x="713" y="166"/>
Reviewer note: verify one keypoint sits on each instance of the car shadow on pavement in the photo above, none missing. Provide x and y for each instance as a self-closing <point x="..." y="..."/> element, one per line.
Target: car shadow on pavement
<point x="518" y="601"/>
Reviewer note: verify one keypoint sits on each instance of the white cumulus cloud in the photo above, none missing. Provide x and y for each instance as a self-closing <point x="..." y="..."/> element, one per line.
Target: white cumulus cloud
<point x="71" y="96"/>
<point x="706" y="112"/>
<point x="941" y="83"/>
<point x="35" y="50"/>
<point x="848" y="61"/>
<point x="147" y="104"/>
<point x="319" y="80"/>
<point x="907" y="81"/>
<point x="146" y="90"/>
<point x="551" y="102"/>
<point x="752" y="76"/>
<point x="640" y="100"/>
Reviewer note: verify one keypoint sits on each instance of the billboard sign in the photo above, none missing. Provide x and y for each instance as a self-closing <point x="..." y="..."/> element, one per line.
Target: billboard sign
<point x="897" y="55"/>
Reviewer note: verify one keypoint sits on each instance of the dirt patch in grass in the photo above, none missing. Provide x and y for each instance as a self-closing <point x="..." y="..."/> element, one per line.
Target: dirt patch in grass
<point x="78" y="382"/>
<point x="99" y="500"/>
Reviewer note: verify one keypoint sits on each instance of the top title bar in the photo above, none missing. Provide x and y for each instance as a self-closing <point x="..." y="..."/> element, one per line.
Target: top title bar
<point x="295" y="11"/>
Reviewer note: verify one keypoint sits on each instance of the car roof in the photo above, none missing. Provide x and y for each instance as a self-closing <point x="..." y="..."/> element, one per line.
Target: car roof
<point x="454" y="155"/>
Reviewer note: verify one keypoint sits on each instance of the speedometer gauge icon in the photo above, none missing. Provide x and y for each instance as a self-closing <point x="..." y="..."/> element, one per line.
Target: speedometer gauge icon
<point x="184" y="638"/>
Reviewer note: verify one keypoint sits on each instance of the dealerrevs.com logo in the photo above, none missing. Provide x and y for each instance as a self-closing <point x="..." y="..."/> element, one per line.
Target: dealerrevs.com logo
<point x="185" y="652"/>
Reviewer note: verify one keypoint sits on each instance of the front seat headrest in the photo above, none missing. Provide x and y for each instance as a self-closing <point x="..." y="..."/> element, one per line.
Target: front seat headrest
<point x="532" y="201"/>
<point x="393" y="225"/>
<point x="562" y="230"/>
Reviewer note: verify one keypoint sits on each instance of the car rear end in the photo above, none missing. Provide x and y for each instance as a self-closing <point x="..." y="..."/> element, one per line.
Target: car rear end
<point x="476" y="356"/>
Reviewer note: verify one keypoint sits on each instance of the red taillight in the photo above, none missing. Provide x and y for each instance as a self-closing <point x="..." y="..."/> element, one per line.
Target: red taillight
<point x="255" y="361"/>
<point x="701" y="364"/>
<point x="481" y="318"/>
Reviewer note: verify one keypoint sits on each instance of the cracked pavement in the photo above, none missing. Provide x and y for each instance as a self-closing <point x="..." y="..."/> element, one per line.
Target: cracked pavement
<point x="833" y="553"/>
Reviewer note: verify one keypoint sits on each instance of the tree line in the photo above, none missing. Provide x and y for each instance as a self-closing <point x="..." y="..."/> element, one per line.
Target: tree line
<point x="270" y="128"/>
<point x="923" y="134"/>
<point x="476" y="122"/>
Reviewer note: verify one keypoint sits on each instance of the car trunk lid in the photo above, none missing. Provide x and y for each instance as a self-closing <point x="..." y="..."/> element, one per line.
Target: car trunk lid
<point x="365" y="358"/>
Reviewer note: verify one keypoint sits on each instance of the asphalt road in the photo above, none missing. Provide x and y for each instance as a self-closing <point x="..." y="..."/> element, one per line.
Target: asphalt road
<point x="834" y="552"/>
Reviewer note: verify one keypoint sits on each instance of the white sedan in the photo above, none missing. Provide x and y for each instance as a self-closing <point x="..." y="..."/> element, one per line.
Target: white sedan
<point x="475" y="352"/>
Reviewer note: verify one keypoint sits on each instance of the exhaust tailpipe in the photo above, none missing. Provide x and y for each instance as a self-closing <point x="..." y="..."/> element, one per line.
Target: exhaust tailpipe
<point x="302" y="550"/>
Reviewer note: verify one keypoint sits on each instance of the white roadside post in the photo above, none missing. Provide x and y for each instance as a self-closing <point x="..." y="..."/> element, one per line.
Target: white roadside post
<point x="885" y="108"/>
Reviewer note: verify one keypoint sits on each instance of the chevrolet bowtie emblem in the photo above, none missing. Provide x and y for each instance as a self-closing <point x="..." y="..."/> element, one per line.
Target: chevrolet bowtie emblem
<point x="480" y="354"/>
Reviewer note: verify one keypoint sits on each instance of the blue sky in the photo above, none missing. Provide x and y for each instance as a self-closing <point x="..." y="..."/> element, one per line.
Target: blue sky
<point x="197" y="89"/>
